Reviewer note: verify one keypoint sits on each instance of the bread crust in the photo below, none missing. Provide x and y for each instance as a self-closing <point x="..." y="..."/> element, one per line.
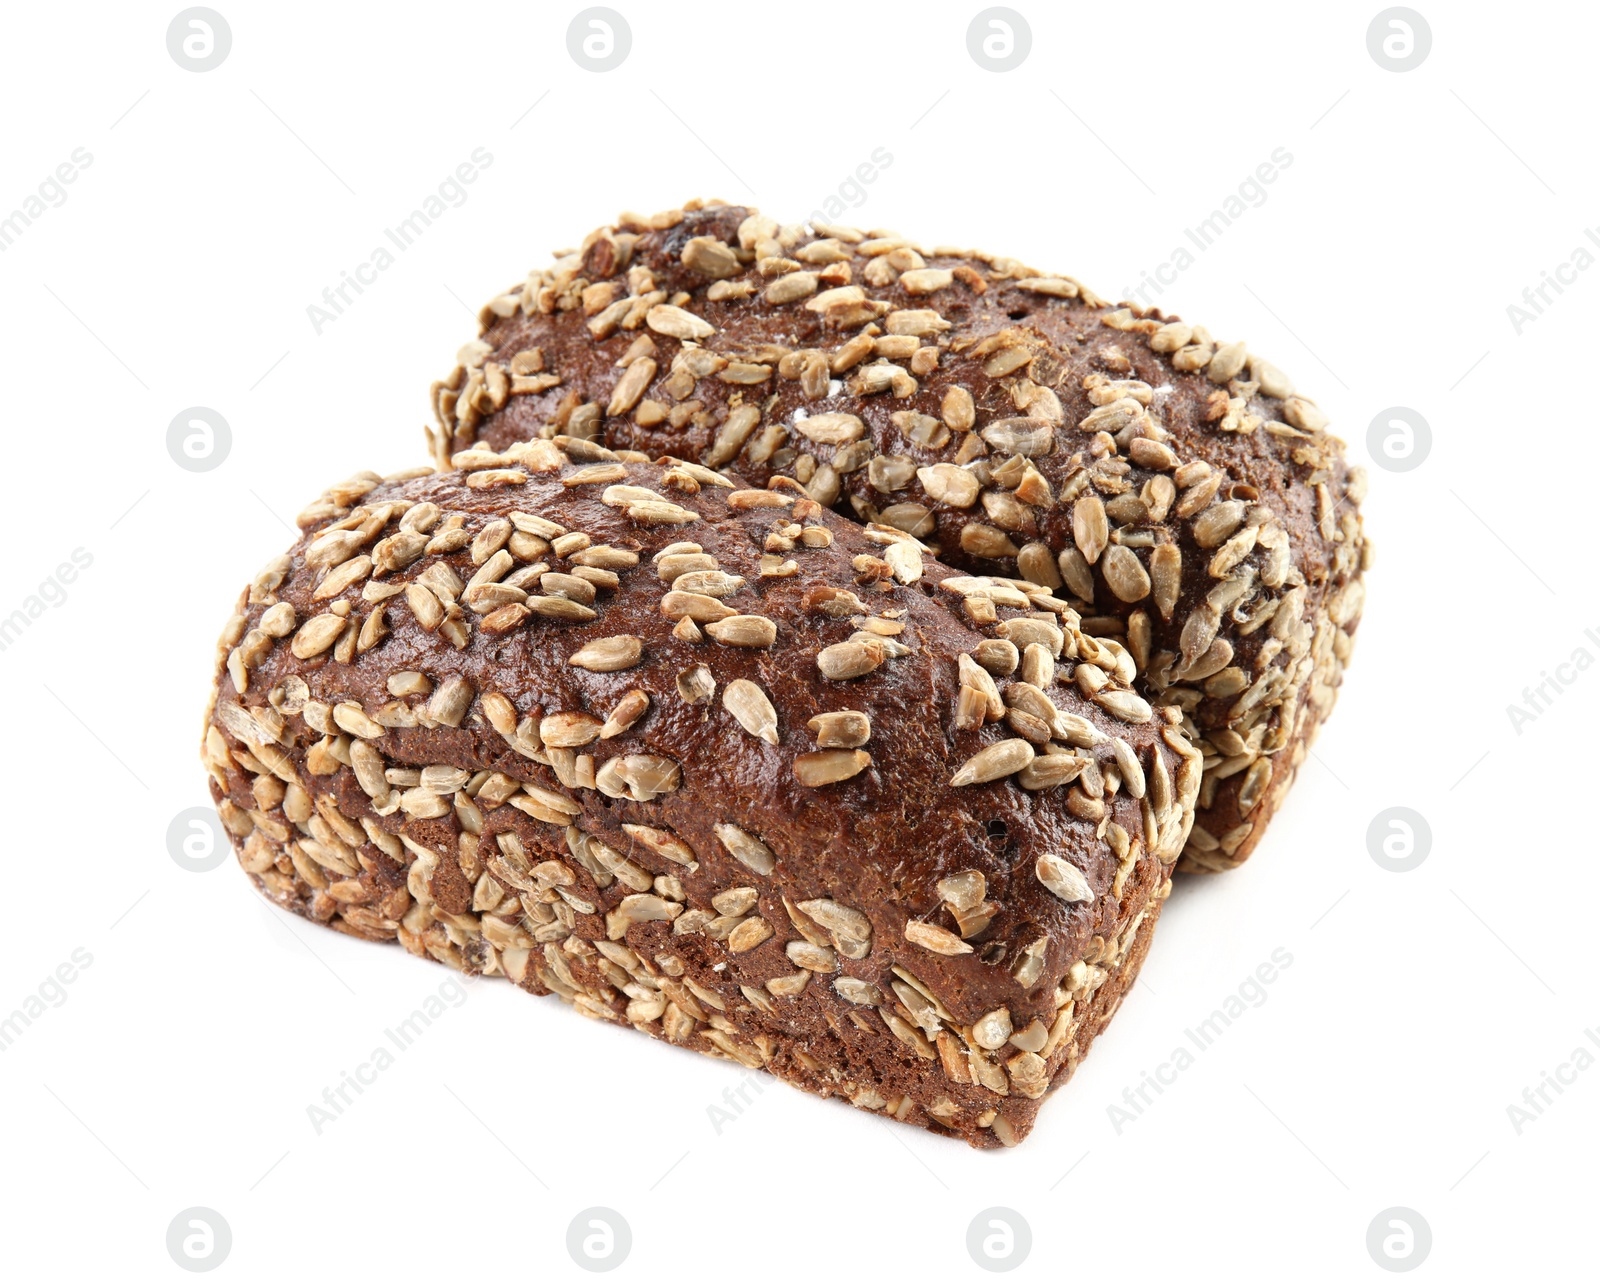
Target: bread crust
<point x="1177" y="489"/>
<point x="466" y="713"/>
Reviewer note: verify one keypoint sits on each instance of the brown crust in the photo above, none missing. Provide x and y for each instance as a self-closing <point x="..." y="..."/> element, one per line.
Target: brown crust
<point x="385" y="747"/>
<point x="1255" y="685"/>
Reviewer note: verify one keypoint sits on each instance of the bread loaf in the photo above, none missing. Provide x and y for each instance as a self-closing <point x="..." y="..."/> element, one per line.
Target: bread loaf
<point x="1175" y="488"/>
<point x="710" y="761"/>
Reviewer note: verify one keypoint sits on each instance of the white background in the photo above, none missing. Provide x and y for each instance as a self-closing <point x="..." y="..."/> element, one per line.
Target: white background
<point x="1418" y="1005"/>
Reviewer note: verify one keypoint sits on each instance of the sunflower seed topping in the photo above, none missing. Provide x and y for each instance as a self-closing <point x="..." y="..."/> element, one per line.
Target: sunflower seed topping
<point x="744" y="631"/>
<point x="841" y="729"/>
<point x="935" y="939"/>
<point x="748" y="704"/>
<point x="850" y="659"/>
<point x="613" y="654"/>
<point x="819" y="769"/>
<point x="749" y="850"/>
<point x="1062" y="879"/>
<point x="995" y="761"/>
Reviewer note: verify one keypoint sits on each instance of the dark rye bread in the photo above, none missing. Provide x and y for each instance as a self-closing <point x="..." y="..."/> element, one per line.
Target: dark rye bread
<point x="1176" y="488"/>
<point x="891" y="833"/>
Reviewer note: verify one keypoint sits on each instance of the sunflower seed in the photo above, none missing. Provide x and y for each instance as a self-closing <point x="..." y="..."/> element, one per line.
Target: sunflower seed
<point x="450" y="701"/>
<point x="1062" y="879"/>
<point x="701" y="608"/>
<point x="1124" y="574"/>
<point x="1125" y="705"/>
<point x="338" y="579"/>
<point x="1171" y="337"/>
<point x="1166" y="577"/>
<point x="708" y="582"/>
<point x="1112" y="418"/>
<point x="997" y="657"/>
<point x="963" y="890"/>
<point x="613" y="654"/>
<point x="1050" y="771"/>
<point x="1054" y="286"/>
<point x="1217" y="523"/>
<point x="744" y="631"/>
<point x="1254" y="785"/>
<point x="1089" y="528"/>
<point x="1032" y="700"/>
<point x="1023" y="632"/>
<point x="946" y="483"/>
<point x="748" y="849"/>
<point x="367" y="764"/>
<point x="935" y="939"/>
<point x="556" y="607"/>
<point x="1227" y="362"/>
<point x="995" y="761"/>
<point x="664" y="843"/>
<point x="732" y="435"/>
<point x="660" y="512"/>
<point x="748" y="704"/>
<point x="677" y="323"/>
<point x="841" y="729"/>
<point x="857" y="991"/>
<point x="351" y="718"/>
<point x="319" y="632"/>
<point x="1025" y="437"/>
<point x="673" y="565"/>
<point x="811" y="956"/>
<point x="1233" y="551"/>
<point x="993" y="1030"/>
<point x="710" y="257"/>
<point x="845" y="924"/>
<point x="904" y="561"/>
<point x="749" y="934"/>
<point x="831" y="429"/>
<point x="631" y="386"/>
<point x="1128" y="764"/>
<point x="1038" y="667"/>
<point x="926" y="280"/>
<point x="696" y="684"/>
<point x="791" y="287"/>
<point x="819" y="769"/>
<point x="850" y="659"/>
<point x="569" y="729"/>
<point x="987" y="542"/>
<point x="735" y="902"/>
<point x="644" y="777"/>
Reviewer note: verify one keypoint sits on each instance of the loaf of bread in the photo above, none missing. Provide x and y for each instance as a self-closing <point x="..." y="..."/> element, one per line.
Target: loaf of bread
<point x="708" y="760"/>
<point x="1176" y="489"/>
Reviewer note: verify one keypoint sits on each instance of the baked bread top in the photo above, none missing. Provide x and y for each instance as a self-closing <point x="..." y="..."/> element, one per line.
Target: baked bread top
<point x="1175" y="488"/>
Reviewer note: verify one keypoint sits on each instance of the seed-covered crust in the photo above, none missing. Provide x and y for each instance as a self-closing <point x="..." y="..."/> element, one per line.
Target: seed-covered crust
<point x="711" y="761"/>
<point x="1175" y="488"/>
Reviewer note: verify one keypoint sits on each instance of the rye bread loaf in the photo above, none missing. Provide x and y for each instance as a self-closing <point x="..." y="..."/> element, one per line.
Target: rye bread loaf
<point x="710" y="761"/>
<point x="1175" y="488"/>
